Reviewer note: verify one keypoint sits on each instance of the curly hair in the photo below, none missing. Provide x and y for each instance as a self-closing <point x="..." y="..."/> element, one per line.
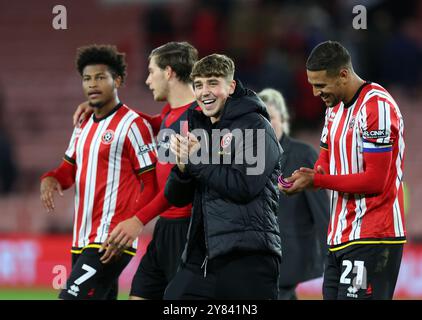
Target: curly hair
<point x="102" y="54"/>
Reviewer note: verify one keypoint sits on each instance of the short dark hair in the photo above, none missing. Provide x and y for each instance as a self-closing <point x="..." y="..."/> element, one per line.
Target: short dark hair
<point x="102" y="54"/>
<point x="179" y="56"/>
<point x="330" y="56"/>
<point x="214" y="65"/>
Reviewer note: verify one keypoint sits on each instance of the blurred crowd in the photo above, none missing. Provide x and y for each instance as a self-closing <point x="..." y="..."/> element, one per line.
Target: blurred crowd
<point x="270" y="40"/>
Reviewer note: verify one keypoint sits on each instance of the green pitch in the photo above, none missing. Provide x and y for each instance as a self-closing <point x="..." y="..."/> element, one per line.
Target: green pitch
<point x="38" y="294"/>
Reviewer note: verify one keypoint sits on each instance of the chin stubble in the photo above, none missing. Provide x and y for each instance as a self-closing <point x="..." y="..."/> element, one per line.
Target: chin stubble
<point x="97" y="105"/>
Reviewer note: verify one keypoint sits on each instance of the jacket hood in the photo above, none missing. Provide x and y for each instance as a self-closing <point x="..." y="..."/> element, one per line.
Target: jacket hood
<point x="243" y="101"/>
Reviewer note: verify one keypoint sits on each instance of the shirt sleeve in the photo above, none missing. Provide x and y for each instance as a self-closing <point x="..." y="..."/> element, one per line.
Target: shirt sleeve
<point x="155" y="121"/>
<point x="323" y="160"/>
<point x="379" y="128"/>
<point x="141" y="146"/>
<point x="371" y="181"/>
<point x="378" y="125"/>
<point x="70" y="153"/>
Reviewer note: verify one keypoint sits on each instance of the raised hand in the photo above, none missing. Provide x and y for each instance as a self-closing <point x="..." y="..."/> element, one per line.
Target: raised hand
<point x="302" y="179"/>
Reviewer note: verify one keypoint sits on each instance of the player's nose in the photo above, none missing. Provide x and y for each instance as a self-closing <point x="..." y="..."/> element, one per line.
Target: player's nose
<point x="316" y="92"/>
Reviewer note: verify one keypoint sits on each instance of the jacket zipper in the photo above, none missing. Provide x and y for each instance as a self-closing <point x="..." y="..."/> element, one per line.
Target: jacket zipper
<point x="205" y="263"/>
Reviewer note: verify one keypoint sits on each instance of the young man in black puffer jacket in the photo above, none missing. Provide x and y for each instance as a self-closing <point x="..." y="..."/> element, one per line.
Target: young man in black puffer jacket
<point x="227" y="166"/>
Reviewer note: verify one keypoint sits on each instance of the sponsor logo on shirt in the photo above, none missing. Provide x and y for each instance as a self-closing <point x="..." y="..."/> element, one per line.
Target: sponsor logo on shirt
<point x="146" y="148"/>
<point x="375" y="134"/>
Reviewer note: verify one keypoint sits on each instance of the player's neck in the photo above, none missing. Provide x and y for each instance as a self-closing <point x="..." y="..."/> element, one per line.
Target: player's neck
<point x="180" y="95"/>
<point x="355" y="84"/>
<point x="106" y="109"/>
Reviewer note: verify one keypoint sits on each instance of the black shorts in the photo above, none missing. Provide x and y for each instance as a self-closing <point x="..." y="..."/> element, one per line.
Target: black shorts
<point x="162" y="258"/>
<point x="362" y="271"/>
<point x="236" y="276"/>
<point x="91" y="279"/>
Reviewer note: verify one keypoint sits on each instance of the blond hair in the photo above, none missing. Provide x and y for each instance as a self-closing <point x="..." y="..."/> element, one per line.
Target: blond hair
<point x="275" y="98"/>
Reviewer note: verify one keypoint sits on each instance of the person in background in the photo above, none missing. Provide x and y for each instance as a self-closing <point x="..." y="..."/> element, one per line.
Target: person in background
<point x="302" y="218"/>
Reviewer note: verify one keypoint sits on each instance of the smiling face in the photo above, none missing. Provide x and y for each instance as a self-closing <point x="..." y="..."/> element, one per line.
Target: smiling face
<point x="211" y="94"/>
<point x="98" y="84"/>
<point x="329" y="88"/>
<point x="157" y="81"/>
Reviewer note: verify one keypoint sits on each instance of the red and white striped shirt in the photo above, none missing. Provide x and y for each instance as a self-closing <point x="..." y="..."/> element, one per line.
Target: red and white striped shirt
<point x="109" y="155"/>
<point x="372" y="122"/>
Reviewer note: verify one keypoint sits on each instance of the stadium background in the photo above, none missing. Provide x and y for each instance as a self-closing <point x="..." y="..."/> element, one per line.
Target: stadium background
<point x="269" y="41"/>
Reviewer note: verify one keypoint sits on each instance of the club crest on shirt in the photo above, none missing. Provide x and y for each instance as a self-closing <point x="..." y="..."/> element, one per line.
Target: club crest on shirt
<point x="107" y="137"/>
<point x="225" y="141"/>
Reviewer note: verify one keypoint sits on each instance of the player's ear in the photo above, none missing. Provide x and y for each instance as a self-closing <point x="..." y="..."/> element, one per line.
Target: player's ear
<point x="232" y="86"/>
<point x="117" y="82"/>
<point x="168" y="72"/>
<point x="344" y="75"/>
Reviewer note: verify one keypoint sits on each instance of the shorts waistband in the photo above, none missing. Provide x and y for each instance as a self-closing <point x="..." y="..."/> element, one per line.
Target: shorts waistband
<point x="173" y="220"/>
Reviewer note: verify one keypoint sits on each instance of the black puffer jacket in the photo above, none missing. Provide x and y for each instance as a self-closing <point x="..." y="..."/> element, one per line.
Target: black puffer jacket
<point x="238" y="210"/>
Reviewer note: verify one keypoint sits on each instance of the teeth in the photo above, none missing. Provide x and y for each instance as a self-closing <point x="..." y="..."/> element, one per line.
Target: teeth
<point x="208" y="101"/>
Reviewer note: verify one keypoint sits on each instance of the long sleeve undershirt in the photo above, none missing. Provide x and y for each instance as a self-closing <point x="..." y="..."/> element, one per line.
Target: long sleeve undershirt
<point x="371" y="181"/>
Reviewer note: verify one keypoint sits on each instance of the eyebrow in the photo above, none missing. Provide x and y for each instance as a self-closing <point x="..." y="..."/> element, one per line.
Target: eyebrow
<point x="206" y="81"/>
<point x="96" y="74"/>
<point x="316" y="84"/>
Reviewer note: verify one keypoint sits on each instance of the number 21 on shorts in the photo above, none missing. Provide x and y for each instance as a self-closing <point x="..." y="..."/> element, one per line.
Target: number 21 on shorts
<point x="358" y="268"/>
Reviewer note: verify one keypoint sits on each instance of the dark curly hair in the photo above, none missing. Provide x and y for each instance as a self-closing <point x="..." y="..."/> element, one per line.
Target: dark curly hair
<point x="102" y="54"/>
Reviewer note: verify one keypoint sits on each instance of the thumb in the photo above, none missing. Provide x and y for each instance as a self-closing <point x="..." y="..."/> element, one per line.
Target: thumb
<point x="320" y="170"/>
<point x="59" y="189"/>
<point x="103" y="246"/>
<point x="192" y="137"/>
<point x="76" y="117"/>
